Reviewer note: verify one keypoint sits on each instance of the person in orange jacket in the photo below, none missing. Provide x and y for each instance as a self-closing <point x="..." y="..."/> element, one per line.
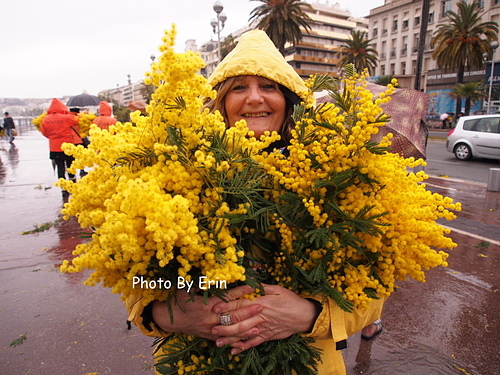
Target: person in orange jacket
<point x="104" y="120"/>
<point x="59" y="126"/>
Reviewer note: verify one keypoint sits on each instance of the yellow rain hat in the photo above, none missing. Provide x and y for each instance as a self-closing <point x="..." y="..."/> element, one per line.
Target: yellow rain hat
<point x="256" y="55"/>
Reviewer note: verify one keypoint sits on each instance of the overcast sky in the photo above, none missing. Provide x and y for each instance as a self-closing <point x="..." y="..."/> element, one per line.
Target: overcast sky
<point x="53" y="48"/>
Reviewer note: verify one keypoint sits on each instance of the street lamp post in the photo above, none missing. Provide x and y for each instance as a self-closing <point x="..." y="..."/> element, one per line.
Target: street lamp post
<point x="218" y="25"/>
<point x="130" y="88"/>
<point x="494" y="46"/>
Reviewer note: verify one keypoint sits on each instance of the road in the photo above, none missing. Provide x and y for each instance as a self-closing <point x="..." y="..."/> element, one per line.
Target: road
<point x="443" y="163"/>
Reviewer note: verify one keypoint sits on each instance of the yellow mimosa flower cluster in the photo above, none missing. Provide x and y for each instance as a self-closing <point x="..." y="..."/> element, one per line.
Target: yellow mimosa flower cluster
<point x="148" y="198"/>
<point x="37" y="121"/>
<point x="84" y="122"/>
<point x="342" y="182"/>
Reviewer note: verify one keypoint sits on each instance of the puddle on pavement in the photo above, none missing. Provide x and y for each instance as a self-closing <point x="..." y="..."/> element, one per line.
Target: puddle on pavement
<point x="414" y="360"/>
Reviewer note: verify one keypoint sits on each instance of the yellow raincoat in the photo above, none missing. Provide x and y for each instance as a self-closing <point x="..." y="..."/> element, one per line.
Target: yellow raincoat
<point x="255" y="54"/>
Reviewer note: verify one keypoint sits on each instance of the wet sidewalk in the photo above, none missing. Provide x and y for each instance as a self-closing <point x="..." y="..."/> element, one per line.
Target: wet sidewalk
<point x="56" y="325"/>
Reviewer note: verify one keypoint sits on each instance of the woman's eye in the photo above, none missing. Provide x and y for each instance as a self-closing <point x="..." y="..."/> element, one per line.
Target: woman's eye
<point x="238" y="87"/>
<point x="268" y="86"/>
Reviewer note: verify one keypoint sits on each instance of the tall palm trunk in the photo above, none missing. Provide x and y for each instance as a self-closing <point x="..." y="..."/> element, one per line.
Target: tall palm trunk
<point x="460" y="79"/>
<point x="426" y="4"/>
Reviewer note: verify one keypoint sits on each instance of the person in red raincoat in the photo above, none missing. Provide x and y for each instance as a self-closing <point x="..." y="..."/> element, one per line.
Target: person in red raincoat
<point x="59" y="126"/>
<point x="104" y="120"/>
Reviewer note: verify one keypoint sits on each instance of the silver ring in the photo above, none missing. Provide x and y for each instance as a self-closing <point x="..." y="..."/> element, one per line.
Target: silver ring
<point x="225" y="319"/>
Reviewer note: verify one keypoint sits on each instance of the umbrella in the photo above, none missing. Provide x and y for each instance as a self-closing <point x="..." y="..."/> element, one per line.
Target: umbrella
<point x="408" y="110"/>
<point x="444" y="116"/>
<point x="137" y="105"/>
<point x="83" y="100"/>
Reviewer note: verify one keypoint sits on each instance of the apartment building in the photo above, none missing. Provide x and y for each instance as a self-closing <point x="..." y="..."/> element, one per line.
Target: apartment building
<point x="126" y="93"/>
<point x="319" y="51"/>
<point x="395" y="31"/>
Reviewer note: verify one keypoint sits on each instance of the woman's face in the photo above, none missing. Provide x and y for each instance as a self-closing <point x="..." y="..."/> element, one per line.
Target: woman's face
<point x="258" y="101"/>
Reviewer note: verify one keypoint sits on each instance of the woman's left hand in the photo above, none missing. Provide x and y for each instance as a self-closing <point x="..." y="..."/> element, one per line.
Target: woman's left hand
<point x="283" y="314"/>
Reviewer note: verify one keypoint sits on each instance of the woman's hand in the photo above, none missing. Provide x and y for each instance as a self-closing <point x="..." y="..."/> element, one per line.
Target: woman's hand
<point x="195" y="317"/>
<point x="283" y="314"/>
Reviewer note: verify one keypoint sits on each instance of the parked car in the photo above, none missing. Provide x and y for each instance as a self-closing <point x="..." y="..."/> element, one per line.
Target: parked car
<point x="475" y="136"/>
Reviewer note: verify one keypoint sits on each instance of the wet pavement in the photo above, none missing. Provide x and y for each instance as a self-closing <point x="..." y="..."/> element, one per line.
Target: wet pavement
<point x="53" y="324"/>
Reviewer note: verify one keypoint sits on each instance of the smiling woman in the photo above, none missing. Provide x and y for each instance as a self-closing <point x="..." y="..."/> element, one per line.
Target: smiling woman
<point x="256" y="100"/>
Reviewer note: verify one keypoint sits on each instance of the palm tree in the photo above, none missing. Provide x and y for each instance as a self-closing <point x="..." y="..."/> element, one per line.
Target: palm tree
<point x="227" y="45"/>
<point x="358" y="51"/>
<point x="471" y="91"/>
<point x="282" y="20"/>
<point x="461" y="42"/>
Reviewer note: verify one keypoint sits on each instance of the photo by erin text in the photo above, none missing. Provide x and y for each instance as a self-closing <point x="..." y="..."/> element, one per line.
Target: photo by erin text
<point x="182" y="283"/>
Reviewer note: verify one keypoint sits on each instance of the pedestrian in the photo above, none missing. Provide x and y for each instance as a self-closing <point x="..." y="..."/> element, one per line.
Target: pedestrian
<point x="77" y="138"/>
<point x="9" y="127"/>
<point x="256" y="84"/>
<point x="444" y="120"/>
<point x="104" y="120"/>
<point x="59" y="126"/>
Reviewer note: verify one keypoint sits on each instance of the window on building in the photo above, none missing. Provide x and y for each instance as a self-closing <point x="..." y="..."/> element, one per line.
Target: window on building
<point x="406" y="24"/>
<point x="416" y="43"/>
<point x="417" y="21"/>
<point x="395" y="25"/>
<point x="431" y="17"/>
<point x="445" y="8"/>
<point x="374" y="33"/>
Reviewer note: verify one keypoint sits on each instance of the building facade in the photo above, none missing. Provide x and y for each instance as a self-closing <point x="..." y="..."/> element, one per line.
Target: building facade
<point x="319" y="51"/>
<point x="123" y="95"/>
<point x="395" y="33"/>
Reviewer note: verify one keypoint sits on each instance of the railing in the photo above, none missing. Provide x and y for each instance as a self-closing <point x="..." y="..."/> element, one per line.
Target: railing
<point x="23" y="124"/>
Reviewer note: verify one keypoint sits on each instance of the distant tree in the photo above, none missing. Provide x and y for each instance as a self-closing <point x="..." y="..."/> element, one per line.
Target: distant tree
<point x="471" y="91"/>
<point x="282" y="20"/>
<point x="227" y="45"/>
<point x="146" y="92"/>
<point x="358" y="51"/>
<point x="122" y="114"/>
<point x="384" y="80"/>
<point x="461" y="41"/>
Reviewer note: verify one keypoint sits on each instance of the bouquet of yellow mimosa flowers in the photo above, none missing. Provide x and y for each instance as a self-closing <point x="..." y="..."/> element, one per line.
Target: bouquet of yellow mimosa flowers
<point x="178" y="196"/>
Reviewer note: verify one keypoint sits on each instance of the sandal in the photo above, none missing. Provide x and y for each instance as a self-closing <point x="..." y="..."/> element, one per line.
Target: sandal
<point x="378" y="324"/>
